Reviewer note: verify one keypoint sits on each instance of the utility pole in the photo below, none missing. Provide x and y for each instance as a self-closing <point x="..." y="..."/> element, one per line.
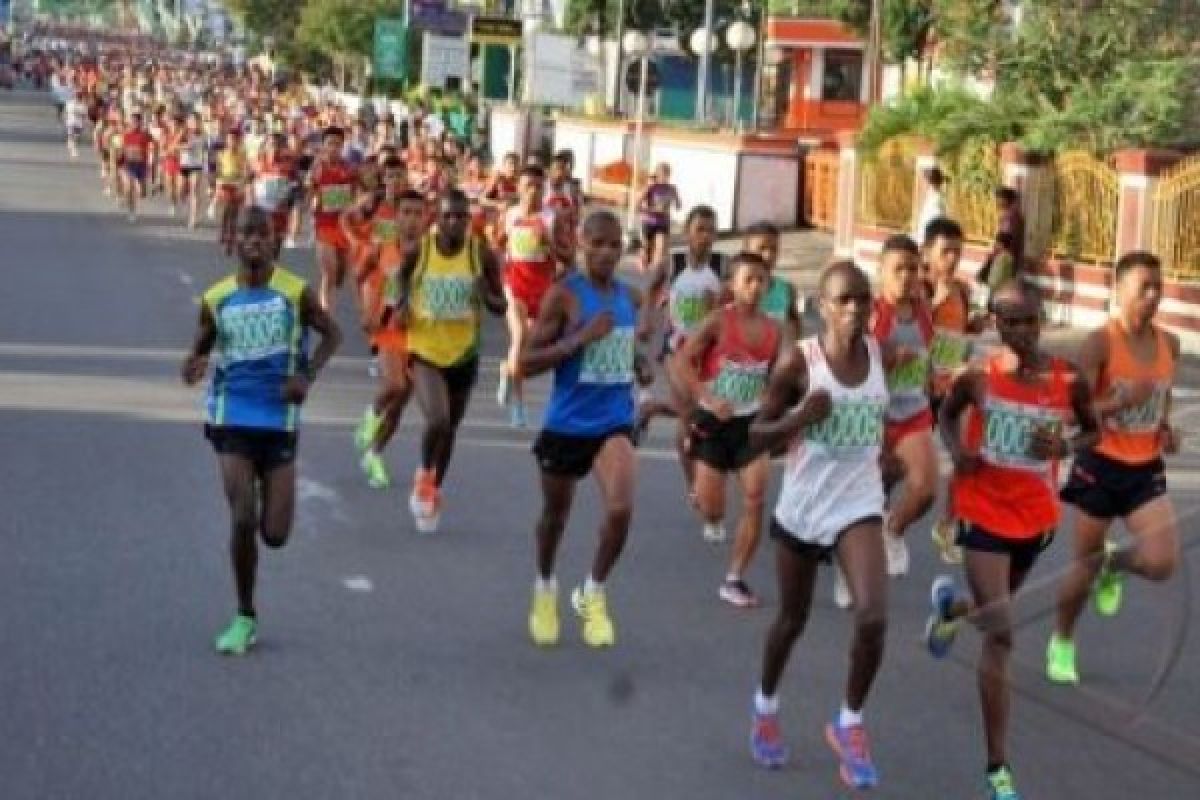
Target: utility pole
<point x="620" y="81"/>
<point x="875" y="54"/>
<point x="705" y="63"/>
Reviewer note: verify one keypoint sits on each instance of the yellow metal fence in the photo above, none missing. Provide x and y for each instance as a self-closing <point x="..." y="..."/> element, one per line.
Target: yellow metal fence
<point x="1086" y="192"/>
<point x="1176" y="220"/>
<point x="886" y="188"/>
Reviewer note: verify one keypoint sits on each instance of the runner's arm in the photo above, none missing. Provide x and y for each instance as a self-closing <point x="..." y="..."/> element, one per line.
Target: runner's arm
<point x="967" y="389"/>
<point x="654" y="289"/>
<point x="547" y="344"/>
<point x="196" y="362"/>
<point x="781" y="416"/>
<point x="793" y="325"/>
<point x="1093" y="358"/>
<point x="317" y="318"/>
<point x="698" y="343"/>
<point x="491" y="285"/>
<point x="1085" y="417"/>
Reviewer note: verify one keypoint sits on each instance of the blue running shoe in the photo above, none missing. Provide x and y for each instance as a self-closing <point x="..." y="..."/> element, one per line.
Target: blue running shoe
<point x="940" y="628"/>
<point x="766" y="742"/>
<point x="517" y="415"/>
<point x="850" y="745"/>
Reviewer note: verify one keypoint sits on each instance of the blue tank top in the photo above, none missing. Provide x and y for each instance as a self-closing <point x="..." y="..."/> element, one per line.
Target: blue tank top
<point x="593" y="390"/>
<point x="261" y="342"/>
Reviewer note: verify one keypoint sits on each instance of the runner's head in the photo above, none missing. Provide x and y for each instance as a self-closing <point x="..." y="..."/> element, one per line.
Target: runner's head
<point x="700" y="228"/>
<point x="333" y="140"/>
<point x="943" y="248"/>
<point x="899" y="269"/>
<point x="1017" y="308"/>
<point x="662" y="173"/>
<point x="453" y="214"/>
<point x="762" y="239"/>
<point x="531" y="187"/>
<point x="601" y="245"/>
<point x="410" y="215"/>
<point x="508" y="165"/>
<point x="1139" y="287"/>
<point x="750" y="277"/>
<point x="844" y="295"/>
<point x="395" y="176"/>
<point x="256" y="244"/>
<point x="560" y="167"/>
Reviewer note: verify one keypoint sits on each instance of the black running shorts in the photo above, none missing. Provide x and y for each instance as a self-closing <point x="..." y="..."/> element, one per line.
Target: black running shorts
<point x="266" y="449"/>
<point x="568" y="456"/>
<point x="1105" y="488"/>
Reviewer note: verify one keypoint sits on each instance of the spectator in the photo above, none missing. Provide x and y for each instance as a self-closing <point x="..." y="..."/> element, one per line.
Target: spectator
<point x="934" y="205"/>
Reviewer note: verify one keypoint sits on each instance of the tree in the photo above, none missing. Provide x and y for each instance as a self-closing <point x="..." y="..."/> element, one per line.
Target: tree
<point x="1067" y="74"/>
<point x="343" y="30"/>
<point x="906" y="24"/>
<point x="274" y="18"/>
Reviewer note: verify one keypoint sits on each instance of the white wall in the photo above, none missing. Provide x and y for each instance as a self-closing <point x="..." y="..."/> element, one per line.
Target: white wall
<point x="768" y="190"/>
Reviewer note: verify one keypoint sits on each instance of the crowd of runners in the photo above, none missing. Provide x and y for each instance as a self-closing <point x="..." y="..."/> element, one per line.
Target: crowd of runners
<point x="428" y="239"/>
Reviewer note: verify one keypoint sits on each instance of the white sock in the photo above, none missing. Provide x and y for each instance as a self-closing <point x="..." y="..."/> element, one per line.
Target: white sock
<point x="848" y="718"/>
<point x="546" y="584"/>
<point x="590" y="586"/>
<point x="732" y="577"/>
<point x="764" y="704"/>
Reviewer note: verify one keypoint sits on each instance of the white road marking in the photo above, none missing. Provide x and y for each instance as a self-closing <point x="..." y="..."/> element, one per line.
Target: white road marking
<point x="358" y="583"/>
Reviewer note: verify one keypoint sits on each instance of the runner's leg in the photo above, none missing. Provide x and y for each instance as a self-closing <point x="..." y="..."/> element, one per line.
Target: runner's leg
<point x="615" y="469"/>
<point x="1089" y="553"/>
<point x="797" y="575"/>
<point x="238" y="479"/>
<point x="861" y="558"/>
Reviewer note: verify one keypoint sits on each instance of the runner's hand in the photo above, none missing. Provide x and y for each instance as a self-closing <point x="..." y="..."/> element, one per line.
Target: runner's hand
<point x="721" y="409"/>
<point x="597" y="328"/>
<point x="817" y="406"/>
<point x="1169" y="438"/>
<point x="966" y="463"/>
<point x="1046" y="443"/>
<point x="296" y="389"/>
<point x="194" y="367"/>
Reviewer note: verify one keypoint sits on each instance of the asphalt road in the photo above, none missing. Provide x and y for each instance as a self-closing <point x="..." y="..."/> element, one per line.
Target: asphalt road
<point x="397" y="666"/>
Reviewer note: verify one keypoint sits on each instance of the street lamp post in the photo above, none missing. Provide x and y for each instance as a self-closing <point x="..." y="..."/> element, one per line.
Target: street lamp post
<point x="740" y="37"/>
<point x="703" y="43"/>
<point x="637" y="47"/>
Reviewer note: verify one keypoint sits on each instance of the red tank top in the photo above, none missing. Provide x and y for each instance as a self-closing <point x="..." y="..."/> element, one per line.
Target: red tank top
<point x="335" y="192"/>
<point x="1013" y="495"/>
<point x="1133" y="435"/>
<point x="735" y="370"/>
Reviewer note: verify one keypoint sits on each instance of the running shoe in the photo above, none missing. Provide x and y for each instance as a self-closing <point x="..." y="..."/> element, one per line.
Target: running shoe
<point x="517" y="415"/>
<point x="850" y="745"/>
<point x="737" y="592"/>
<point x="373" y="367"/>
<point x="504" y="389"/>
<point x="239" y="637"/>
<point x="543" y="617"/>
<point x="897" y="554"/>
<point x="1060" y="661"/>
<point x="376" y="470"/>
<point x="1000" y="785"/>
<point x="943" y="533"/>
<point x="713" y="532"/>
<point x="1110" y="584"/>
<point x="841" y="592"/>
<point x="941" y="628"/>
<point x="424" y="502"/>
<point x="592" y="609"/>
<point x="364" y="434"/>
<point x="288" y="244"/>
<point x="766" y="741"/>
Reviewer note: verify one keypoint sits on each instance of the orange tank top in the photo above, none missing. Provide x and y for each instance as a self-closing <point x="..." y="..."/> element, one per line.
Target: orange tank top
<point x="1013" y="495"/>
<point x="1132" y="435"/>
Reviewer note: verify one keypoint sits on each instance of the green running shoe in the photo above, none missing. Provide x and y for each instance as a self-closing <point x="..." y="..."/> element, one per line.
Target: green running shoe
<point x="1060" y="661"/>
<point x="376" y="470"/>
<point x="1109" y="585"/>
<point x="364" y="434"/>
<point x="1000" y="785"/>
<point x="239" y="637"/>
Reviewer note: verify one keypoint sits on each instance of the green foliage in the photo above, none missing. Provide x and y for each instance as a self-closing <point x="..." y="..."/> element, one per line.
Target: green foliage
<point x="1073" y="75"/>
<point x="906" y="24"/>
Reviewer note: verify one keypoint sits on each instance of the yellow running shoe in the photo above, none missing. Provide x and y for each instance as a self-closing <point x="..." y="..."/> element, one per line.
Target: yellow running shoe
<point x="543" y="617"/>
<point x="592" y="608"/>
<point x="943" y="532"/>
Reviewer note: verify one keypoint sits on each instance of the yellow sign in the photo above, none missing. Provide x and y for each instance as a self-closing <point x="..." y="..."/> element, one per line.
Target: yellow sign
<point x="496" y="30"/>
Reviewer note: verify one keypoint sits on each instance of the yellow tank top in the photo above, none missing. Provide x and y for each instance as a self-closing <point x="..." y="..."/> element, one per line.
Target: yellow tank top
<point x="443" y="325"/>
<point x="230" y="167"/>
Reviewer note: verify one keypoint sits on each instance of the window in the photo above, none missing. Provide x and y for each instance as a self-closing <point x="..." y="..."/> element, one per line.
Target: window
<point x="843" y="76"/>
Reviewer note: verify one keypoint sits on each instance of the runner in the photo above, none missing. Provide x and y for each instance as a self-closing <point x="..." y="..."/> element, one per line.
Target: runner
<point x="232" y="175"/>
<point x="901" y="321"/>
<point x="257" y="320"/>
<point x="691" y="282"/>
<point x="955" y="327"/>
<point x="566" y="201"/>
<point x="136" y="145"/>
<point x="725" y="364"/>
<point x="1130" y="366"/>
<point x="75" y="114"/>
<point x="394" y="224"/>
<point x="441" y="286"/>
<point x="274" y="178"/>
<point x="654" y="205"/>
<point x="779" y="299"/>
<point x="831" y="503"/>
<point x="1005" y="474"/>
<point x="585" y="332"/>
<point x="500" y="195"/>
<point x="331" y="183"/>
<point x="191" y="166"/>
<point x="531" y="241"/>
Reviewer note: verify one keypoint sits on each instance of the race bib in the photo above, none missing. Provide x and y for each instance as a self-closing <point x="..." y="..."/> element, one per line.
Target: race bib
<point x="740" y="385"/>
<point x="609" y="361"/>
<point x="255" y="331"/>
<point x="337" y="197"/>
<point x="909" y="378"/>
<point x="1008" y="431"/>
<point x="851" y="425"/>
<point x="384" y="231"/>
<point x="949" y="350"/>
<point x="525" y="243"/>
<point x="1146" y="417"/>
<point x="448" y="298"/>
<point x="689" y="310"/>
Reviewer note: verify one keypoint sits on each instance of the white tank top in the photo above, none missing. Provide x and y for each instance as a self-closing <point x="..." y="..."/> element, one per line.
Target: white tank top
<point x="686" y="303"/>
<point x="832" y="477"/>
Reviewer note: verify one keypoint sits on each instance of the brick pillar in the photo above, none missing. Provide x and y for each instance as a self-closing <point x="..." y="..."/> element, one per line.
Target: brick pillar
<point x="1139" y="171"/>
<point x="847" y="197"/>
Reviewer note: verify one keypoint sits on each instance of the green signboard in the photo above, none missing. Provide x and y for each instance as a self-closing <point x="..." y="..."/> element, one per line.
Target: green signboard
<point x="391" y="45"/>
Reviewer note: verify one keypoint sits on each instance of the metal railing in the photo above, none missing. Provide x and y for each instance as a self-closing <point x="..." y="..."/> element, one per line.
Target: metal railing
<point x="1086" y="192"/>
<point x="1175" y="220"/>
